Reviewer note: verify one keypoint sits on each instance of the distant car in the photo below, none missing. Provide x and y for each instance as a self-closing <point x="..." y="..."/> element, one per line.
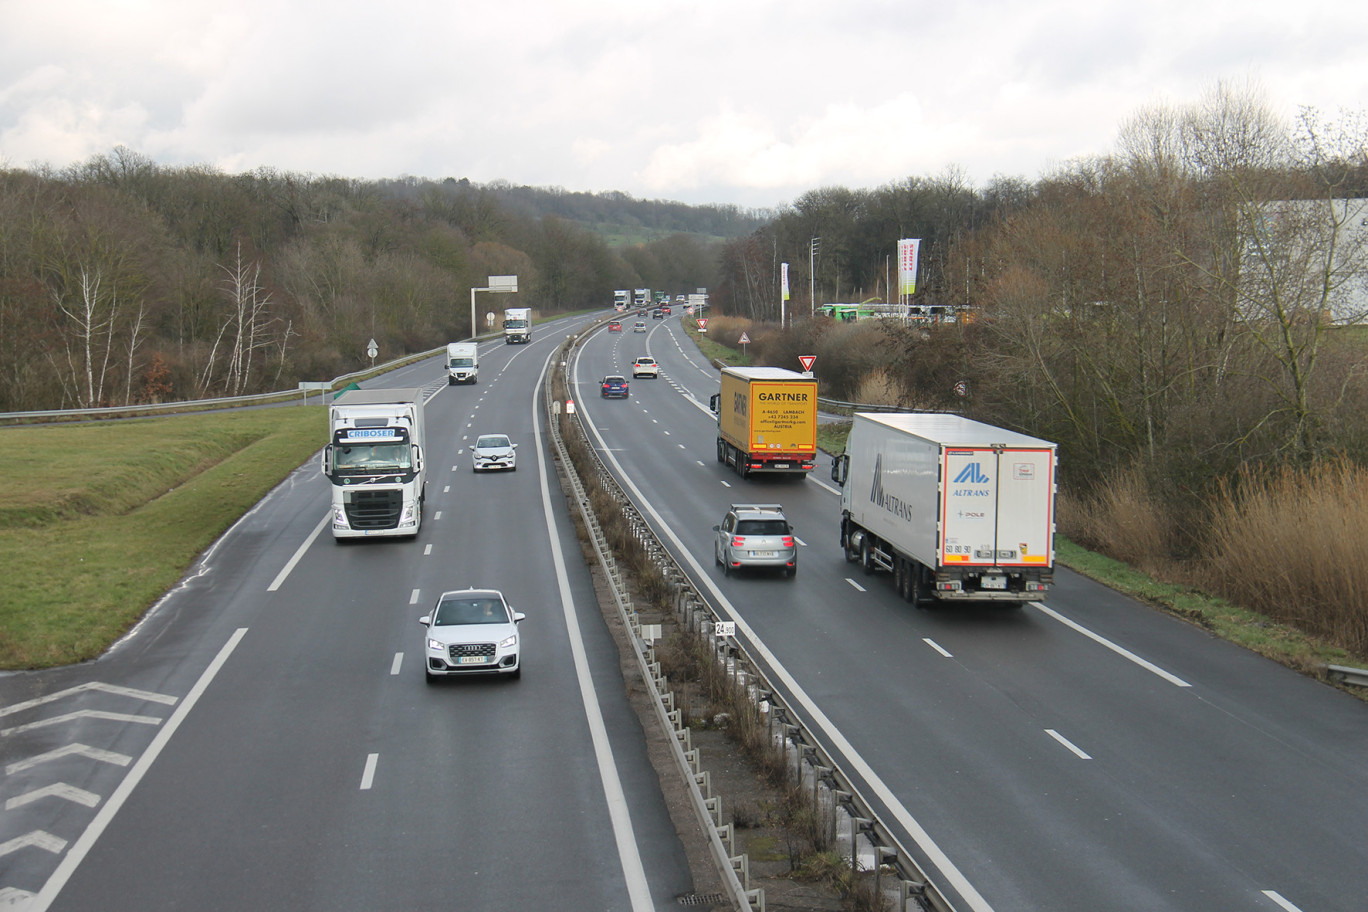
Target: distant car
<point x="657" y="315"/>
<point x="615" y="327"/>
<point x="614" y="387"/>
<point x="645" y="367"/>
<point x="665" y="309"/>
<point x="493" y="451"/>
<point x="680" y="299"/>
<point x="471" y="632"/>
<point x="638" y="327"/>
<point x="641" y="311"/>
<point x="755" y="535"/>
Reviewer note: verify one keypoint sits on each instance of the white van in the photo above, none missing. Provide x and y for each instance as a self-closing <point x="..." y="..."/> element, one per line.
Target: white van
<point x="463" y="363"/>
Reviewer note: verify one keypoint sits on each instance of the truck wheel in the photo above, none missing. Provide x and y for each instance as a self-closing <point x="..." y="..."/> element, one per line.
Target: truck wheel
<point x="866" y="557"/>
<point x="721" y="451"/>
<point x="851" y="555"/>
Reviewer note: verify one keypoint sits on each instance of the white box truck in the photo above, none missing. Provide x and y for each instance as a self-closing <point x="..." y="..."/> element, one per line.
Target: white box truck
<point x="517" y="325"/>
<point x="955" y="509"/>
<point x="463" y="363"/>
<point x="374" y="459"/>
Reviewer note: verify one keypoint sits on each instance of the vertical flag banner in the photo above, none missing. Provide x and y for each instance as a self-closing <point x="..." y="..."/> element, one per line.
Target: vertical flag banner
<point x="907" y="265"/>
<point x="783" y="272"/>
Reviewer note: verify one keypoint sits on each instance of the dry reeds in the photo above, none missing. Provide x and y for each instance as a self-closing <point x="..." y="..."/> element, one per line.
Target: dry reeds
<point x="1293" y="545"/>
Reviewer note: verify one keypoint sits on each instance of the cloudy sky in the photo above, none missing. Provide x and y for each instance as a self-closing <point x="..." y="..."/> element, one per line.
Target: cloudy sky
<point x="751" y="102"/>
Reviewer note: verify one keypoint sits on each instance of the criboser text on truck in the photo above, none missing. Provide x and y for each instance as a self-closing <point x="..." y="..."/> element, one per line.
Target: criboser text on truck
<point x="766" y="420"/>
<point x="375" y="462"/>
<point x="955" y="509"/>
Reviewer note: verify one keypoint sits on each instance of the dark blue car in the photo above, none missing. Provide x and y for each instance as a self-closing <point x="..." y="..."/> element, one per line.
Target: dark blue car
<point x="614" y="387"/>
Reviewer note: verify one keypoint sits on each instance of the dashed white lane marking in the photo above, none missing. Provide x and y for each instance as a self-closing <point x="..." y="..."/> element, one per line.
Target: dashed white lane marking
<point x="857" y="586"/>
<point x="398" y="661"/>
<point x="413" y="598"/>
<point x="1067" y="743"/>
<point x="937" y="646"/>
<point x="368" y="775"/>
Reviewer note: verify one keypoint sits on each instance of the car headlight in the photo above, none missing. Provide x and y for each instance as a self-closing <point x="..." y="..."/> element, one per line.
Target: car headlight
<point x="511" y="641"/>
<point x="437" y="645"/>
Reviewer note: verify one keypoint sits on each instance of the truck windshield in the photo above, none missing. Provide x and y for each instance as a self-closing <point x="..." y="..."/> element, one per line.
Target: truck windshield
<point x="462" y="362"/>
<point x="371" y="458"/>
<point x="515" y="324"/>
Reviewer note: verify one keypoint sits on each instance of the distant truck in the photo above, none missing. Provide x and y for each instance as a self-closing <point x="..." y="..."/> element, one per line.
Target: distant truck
<point x="955" y="509"/>
<point x="374" y="459"/>
<point x="463" y="363"/>
<point x="643" y="298"/>
<point x="766" y="420"/>
<point x="622" y="298"/>
<point x="517" y="325"/>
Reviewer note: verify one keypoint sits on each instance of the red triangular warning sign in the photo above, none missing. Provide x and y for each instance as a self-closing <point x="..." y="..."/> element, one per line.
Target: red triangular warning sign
<point x="807" y="361"/>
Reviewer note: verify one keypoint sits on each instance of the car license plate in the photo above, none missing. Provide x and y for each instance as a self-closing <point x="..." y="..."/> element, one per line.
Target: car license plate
<point x="994" y="582"/>
<point x="471" y="660"/>
<point x="762" y="554"/>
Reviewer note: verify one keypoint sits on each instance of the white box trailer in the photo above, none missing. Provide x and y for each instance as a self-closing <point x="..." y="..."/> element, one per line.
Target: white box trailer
<point x="955" y="509"/>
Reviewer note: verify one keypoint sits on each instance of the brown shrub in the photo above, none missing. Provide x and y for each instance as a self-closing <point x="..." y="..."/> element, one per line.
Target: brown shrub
<point x="1293" y="545"/>
<point x="1121" y="518"/>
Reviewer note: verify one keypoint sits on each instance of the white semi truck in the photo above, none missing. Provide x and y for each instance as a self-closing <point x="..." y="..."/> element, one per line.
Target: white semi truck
<point x="517" y="325"/>
<point x="955" y="509"/>
<point x="463" y="363"/>
<point x="374" y="459"/>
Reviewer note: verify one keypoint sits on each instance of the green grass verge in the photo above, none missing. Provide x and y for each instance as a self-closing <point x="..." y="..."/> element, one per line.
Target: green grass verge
<point x="712" y="349"/>
<point x="101" y="519"/>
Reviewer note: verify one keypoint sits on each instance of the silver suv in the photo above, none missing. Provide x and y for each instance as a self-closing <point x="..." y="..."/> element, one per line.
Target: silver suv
<point x="755" y="535"/>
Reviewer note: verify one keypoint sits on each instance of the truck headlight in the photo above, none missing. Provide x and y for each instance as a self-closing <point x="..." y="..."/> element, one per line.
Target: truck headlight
<point x="340" y="518"/>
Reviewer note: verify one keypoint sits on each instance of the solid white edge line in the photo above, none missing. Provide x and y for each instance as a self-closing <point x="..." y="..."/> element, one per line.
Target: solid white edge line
<point x="86" y="840"/>
<point x="1119" y="650"/>
<point x="638" y="889"/>
<point x="299" y="553"/>
<point x="368" y="774"/>
<point x="1067" y="743"/>
<point x="1273" y="895"/>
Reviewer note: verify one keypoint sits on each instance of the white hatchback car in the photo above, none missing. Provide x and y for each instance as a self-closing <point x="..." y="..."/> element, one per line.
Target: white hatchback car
<point x="645" y="367"/>
<point x="493" y="451"/>
<point x="471" y="632"/>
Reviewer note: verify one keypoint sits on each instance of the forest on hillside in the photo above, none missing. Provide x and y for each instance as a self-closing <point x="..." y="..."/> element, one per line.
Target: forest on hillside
<point x="123" y="281"/>
<point x="1189" y="300"/>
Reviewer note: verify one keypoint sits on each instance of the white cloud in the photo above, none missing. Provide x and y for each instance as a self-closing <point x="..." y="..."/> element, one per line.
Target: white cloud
<point x="745" y="101"/>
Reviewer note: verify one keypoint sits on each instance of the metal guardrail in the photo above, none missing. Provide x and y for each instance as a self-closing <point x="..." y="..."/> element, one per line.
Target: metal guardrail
<point x="1343" y="674"/>
<point x="832" y="789"/>
<point x="185" y="405"/>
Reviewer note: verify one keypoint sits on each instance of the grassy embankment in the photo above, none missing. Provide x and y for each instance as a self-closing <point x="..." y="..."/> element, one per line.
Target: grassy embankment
<point x="100" y="519"/>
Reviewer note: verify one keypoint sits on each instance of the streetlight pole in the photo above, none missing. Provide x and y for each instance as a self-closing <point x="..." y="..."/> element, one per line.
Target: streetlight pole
<point x="812" y="274"/>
